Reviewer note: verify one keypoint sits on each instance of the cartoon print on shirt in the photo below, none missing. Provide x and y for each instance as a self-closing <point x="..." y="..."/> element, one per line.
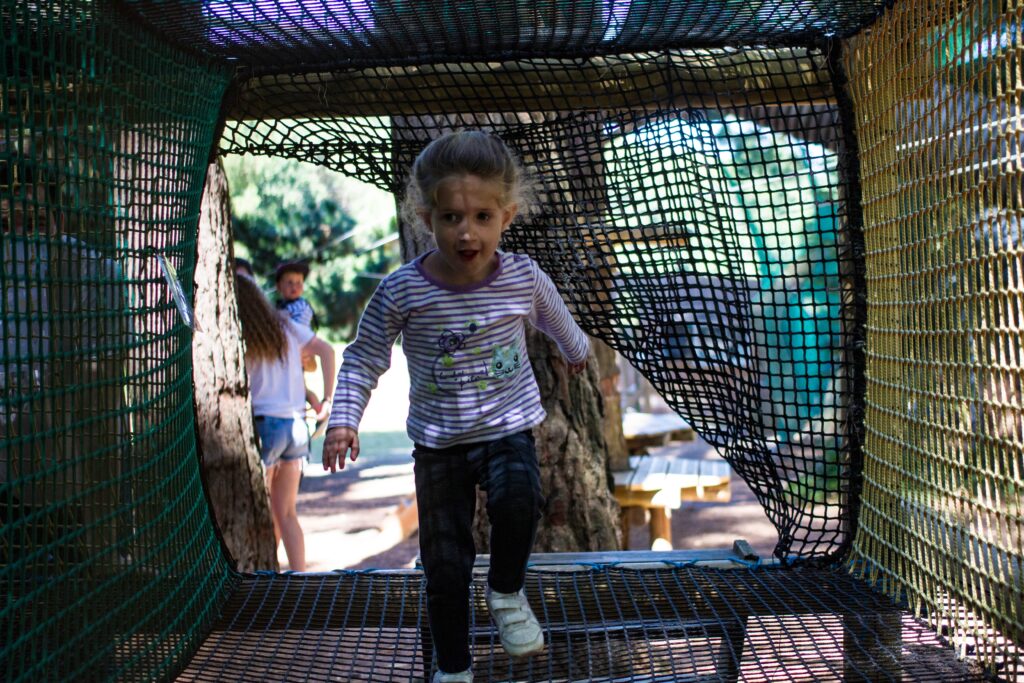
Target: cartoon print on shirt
<point x="504" y="361"/>
<point x="451" y="341"/>
<point x="458" y="366"/>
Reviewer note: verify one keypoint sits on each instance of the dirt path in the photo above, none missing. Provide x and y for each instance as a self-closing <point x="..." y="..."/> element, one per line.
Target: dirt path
<point x="349" y="522"/>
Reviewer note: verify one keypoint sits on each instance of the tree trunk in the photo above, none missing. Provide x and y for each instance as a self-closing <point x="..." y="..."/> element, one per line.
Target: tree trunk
<point x="581" y="513"/>
<point x="232" y="472"/>
<point x="608" y="376"/>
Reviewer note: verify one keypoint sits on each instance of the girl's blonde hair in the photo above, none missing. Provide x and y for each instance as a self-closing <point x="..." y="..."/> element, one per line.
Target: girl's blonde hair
<point x="262" y="325"/>
<point x="460" y="153"/>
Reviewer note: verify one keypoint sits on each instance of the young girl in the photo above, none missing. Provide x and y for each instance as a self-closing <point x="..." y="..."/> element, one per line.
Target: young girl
<point x="273" y="349"/>
<point x="474" y="399"/>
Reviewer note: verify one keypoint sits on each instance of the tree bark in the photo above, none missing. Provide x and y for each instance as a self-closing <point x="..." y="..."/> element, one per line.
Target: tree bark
<point x="232" y="471"/>
<point x="582" y="434"/>
<point x="608" y="376"/>
<point x="581" y="513"/>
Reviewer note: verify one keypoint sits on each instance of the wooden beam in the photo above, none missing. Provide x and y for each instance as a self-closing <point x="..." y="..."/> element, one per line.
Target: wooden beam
<point x="695" y="78"/>
<point x="587" y="560"/>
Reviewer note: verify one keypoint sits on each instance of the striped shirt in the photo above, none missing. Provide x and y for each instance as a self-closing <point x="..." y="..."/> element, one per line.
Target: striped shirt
<point x="469" y="375"/>
<point x="299" y="311"/>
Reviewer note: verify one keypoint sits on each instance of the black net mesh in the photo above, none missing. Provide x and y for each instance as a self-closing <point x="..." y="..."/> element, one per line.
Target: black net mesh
<point x="601" y="624"/>
<point x="264" y="36"/>
<point x="700" y="212"/>
<point x="696" y="219"/>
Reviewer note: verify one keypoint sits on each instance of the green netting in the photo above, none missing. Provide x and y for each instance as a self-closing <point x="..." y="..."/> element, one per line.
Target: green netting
<point x="109" y="564"/>
<point x="942" y="135"/>
<point x="701" y="213"/>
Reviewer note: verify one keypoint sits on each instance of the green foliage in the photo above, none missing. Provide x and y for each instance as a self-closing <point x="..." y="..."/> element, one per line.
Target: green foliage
<point x="972" y="47"/>
<point x="286" y="210"/>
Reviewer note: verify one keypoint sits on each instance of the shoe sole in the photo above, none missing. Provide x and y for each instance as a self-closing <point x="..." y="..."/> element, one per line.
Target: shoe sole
<point x="526" y="654"/>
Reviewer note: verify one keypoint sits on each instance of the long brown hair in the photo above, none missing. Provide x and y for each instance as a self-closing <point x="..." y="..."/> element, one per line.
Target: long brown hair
<point x="262" y="326"/>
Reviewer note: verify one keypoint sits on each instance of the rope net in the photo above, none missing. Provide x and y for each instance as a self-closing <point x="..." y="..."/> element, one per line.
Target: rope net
<point x="941" y="136"/>
<point x="287" y="37"/>
<point x="602" y="624"/>
<point x="109" y="565"/>
<point x="694" y="212"/>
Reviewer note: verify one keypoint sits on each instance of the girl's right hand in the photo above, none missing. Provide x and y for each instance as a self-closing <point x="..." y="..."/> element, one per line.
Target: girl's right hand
<point x="339" y="442"/>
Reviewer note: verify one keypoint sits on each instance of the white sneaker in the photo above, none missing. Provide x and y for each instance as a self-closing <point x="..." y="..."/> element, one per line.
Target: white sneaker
<point x="519" y="630"/>
<point x="461" y="677"/>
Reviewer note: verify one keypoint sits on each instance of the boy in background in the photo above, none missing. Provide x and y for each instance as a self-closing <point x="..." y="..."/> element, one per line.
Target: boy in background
<point x="290" y="279"/>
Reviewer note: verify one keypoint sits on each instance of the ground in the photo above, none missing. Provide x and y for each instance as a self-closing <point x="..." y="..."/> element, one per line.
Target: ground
<point x="350" y="517"/>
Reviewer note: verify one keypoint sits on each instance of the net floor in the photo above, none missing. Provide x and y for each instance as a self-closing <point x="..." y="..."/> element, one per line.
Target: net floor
<point x="602" y="623"/>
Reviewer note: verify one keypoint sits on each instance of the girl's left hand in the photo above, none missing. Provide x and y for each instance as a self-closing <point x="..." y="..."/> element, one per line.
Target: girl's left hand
<point x="577" y="368"/>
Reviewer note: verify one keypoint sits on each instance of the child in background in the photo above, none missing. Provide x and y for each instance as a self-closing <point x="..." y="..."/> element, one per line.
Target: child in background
<point x="243" y="267"/>
<point x="273" y="349"/>
<point x="290" y="279"/>
<point x="461" y="310"/>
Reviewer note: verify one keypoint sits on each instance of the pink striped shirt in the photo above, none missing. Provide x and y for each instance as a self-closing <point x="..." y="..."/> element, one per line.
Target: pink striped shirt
<point x="469" y="376"/>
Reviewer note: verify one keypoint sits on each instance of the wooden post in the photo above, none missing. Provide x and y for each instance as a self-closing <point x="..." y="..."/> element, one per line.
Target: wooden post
<point x="661" y="528"/>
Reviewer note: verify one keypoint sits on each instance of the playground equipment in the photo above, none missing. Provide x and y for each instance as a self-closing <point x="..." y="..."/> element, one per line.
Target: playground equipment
<point x="801" y="221"/>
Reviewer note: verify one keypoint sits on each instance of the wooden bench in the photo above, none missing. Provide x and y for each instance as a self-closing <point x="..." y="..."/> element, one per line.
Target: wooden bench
<point x="660" y="481"/>
<point x="644" y="430"/>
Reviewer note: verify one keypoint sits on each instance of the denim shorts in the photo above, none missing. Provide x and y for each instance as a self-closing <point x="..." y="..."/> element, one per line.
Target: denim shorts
<point x="282" y="439"/>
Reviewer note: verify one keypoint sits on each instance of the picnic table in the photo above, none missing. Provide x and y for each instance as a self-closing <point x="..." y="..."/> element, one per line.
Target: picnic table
<point x="644" y="430"/>
<point x="661" y="480"/>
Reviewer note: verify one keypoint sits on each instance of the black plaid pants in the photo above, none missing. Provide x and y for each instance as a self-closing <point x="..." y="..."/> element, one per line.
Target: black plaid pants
<point x="446" y="479"/>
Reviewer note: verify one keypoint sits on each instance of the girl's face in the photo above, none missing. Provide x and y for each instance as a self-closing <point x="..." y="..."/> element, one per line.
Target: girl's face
<point x="467" y="222"/>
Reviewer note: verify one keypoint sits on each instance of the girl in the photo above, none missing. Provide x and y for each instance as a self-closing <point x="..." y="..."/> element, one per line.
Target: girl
<point x="473" y="397"/>
<point x="273" y="351"/>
